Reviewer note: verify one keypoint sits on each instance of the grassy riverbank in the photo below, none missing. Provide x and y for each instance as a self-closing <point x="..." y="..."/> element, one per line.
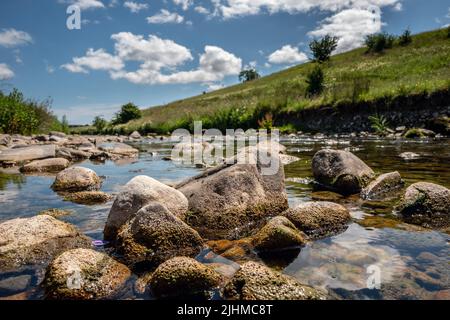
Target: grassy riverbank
<point x="352" y="78"/>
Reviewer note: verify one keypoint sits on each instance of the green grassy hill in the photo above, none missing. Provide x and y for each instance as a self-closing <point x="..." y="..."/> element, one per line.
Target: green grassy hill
<point x="351" y="77"/>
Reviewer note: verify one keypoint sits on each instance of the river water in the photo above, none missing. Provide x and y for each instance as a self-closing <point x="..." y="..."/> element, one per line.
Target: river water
<point x="377" y="257"/>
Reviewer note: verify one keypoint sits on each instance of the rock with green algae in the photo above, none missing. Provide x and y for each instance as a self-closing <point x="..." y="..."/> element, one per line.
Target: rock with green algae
<point x="319" y="218"/>
<point x="88" y="197"/>
<point x="235" y="194"/>
<point x="382" y="186"/>
<point x="77" y="179"/>
<point x="184" y="277"/>
<point x="426" y="204"/>
<point x="254" y="281"/>
<point x="137" y="193"/>
<point x="36" y="241"/>
<point x="418" y="133"/>
<point x="56" y="213"/>
<point x="82" y="274"/>
<point x="341" y="171"/>
<point x="279" y="233"/>
<point x="155" y="235"/>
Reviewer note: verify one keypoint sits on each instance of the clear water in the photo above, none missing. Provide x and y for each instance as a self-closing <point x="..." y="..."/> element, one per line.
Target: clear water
<point x="413" y="263"/>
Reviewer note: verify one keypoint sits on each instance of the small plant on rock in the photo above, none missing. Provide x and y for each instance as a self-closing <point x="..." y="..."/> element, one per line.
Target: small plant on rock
<point x="379" y="123"/>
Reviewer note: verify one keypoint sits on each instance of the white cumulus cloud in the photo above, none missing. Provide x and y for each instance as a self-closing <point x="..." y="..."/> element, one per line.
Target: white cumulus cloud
<point x="185" y="4"/>
<point x="94" y="60"/>
<point x="165" y="16"/>
<point x="5" y="72"/>
<point x="287" y="55"/>
<point x="135" y="7"/>
<point x="85" y="4"/>
<point x="10" y="38"/>
<point x="351" y="26"/>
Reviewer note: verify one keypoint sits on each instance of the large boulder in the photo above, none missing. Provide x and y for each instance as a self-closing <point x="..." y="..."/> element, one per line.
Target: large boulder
<point x="137" y="193"/>
<point x="183" y="277"/>
<point x="235" y="194"/>
<point x="28" y="153"/>
<point x="84" y="274"/>
<point x="279" y="233"/>
<point x="382" y="186"/>
<point x="135" y="135"/>
<point x="319" y="218"/>
<point x="155" y="235"/>
<point x="36" y="240"/>
<point x="254" y="281"/>
<point x="77" y="179"/>
<point x="47" y="165"/>
<point x="426" y="204"/>
<point x="341" y="171"/>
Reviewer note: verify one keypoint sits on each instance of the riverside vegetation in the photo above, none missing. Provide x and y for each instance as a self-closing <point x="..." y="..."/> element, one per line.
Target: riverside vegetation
<point x="388" y="70"/>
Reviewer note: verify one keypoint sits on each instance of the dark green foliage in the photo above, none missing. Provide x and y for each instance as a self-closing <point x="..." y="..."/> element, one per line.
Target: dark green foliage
<point x="315" y="80"/>
<point x="127" y="113"/>
<point x="21" y="116"/>
<point x="99" y="123"/>
<point x="379" y="124"/>
<point x="323" y="48"/>
<point x="64" y="124"/>
<point x="405" y="38"/>
<point x="379" y="42"/>
<point x="248" y="75"/>
<point x="448" y="32"/>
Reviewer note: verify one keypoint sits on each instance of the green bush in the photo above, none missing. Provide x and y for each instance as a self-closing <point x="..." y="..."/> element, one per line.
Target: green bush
<point x="323" y="48"/>
<point x="21" y="116"/>
<point x="379" y="42"/>
<point x="249" y="75"/>
<point x="99" y="123"/>
<point x="315" y="80"/>
<point x="127" y="113"/>
<point x="405" y="38"/>
<point x="379" y="124"/>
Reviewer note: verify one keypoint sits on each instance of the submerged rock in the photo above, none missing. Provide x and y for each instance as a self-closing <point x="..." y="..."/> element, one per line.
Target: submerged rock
<point x="182" y="277"/>
<point x="155" y="235"/>
<point x="137" y="193"/>
<point x="56" y="213"/>
<point x="426" y="204"/>
<point x="28" y="153"/>
<point x="409" y="156"/>
<point x="84" y="274"/>
<point x="279" y="233"/>
<point x="318" y="219"/>
<point x="77" y="179"/>
<point x="341" y="171"/>
<point x="47" y="165"/>
<point x="88" y="197"/>
<point x="254" y="281"/>
<point x="232" y="195"/>
<point x="36" y="240"/>
<point x="382" y="186"/>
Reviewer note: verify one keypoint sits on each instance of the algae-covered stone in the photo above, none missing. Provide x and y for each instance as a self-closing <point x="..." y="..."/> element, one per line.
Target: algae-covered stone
<point x="36" y="240"/>
<point x="77" y="179"/>
<point x="254" y="281"/>
<point x="84" y="274"/>
<point x="55" y="213"/>
<point x="278" y="233"/>
<point x="184" y="277"/>
<point x="232" y="195"/>
<point x="155" y="235"/>
<point x="88" y="197"/>
<point x="137" y="193"/>
<point x="319" y="218"/>
<point x="419" y="133"/>
<point x="382" y="186"/>
<point x="341" y="171"/>
<point x="426" y="204"/>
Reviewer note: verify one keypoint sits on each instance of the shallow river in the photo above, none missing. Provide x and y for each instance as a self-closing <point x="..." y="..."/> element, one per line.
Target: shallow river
<point x="410" y="262"/>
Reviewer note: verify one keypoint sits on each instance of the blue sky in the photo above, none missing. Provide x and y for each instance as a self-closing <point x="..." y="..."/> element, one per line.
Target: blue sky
<point x="154" y="52"/>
